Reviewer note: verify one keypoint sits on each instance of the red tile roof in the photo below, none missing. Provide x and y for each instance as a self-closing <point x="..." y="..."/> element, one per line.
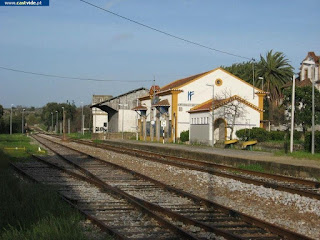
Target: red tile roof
<point x="314" y="56"/>
<point x="183" y="81"/>
<point x="207" y="106"/>
<point x="306" y="82"/>
<point x="140" y="108"/>
<point x="163" y="103"/>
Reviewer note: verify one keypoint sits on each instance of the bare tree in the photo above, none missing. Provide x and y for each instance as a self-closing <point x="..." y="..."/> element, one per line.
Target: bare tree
<point x="232" y="109"/>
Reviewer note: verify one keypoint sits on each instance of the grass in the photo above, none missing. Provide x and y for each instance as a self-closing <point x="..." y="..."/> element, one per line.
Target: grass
<point x="30" y="210"/>
<point x="252" y="167"/>
<point x="79" y="136"/>
<point x="299" y="154"/>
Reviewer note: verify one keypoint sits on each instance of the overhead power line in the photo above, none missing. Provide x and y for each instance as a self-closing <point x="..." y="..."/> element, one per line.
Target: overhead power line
<point x="73" y="78"/>
<point x="165" y="33"/>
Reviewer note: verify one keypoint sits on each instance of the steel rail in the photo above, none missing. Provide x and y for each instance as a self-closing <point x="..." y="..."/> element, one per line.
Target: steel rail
<point x="257" y="222"/>
<point x="102" y="184"/>
<point x="208" y="167"/>
<point x="96" y="221"/>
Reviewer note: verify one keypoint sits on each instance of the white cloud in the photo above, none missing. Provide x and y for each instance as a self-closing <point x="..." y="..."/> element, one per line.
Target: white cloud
<point x="111" y="3"/>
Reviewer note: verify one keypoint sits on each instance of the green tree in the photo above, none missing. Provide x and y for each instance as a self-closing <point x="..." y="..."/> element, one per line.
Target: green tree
<point x="53" y="107"/>
<point x="303" y="106"/>
<point x="275" y="71"/>
<point x="242" y="70"/>
<point x="1" y="111"/>
<point x="33" y="118"/>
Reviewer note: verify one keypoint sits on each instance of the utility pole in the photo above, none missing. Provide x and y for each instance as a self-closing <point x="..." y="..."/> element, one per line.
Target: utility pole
<point x="63" y="124"/>
<point x="51" y="121"/>
<point x="253" y="61"/>
<point x="22" y="125"/>
<point x="212" y="115"/>
<point x="82" y="120"/>
<point x="137" y="122"/>
<point x="69" y="125"/>
<point x="261" y="78"/>
<point x="11" y="120"/>
<point x="292" y="112"/>
<point x="57" y="122"/>
<point x="312" y="138"/>
<point x="151" y="112"/>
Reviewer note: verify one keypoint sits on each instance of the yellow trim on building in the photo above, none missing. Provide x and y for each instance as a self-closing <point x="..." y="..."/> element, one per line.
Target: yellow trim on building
<point x="218" y="82"/>
<point x="195" y="79"/>
<point x="200" y="105"/>
<point x="174" y="112"/>
<point x="169" y="91"/>
<point x="225" y="71"/>
<point x="205" y="74"/>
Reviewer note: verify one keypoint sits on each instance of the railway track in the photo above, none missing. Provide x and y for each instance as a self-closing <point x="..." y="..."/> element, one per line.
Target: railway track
<point x="298" y="186"/>
<point x="192" y="213"/>
<point x="118" y="214"/>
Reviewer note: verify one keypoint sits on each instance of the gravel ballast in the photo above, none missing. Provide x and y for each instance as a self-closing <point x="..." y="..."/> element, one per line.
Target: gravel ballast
<point x="294" y="212"/>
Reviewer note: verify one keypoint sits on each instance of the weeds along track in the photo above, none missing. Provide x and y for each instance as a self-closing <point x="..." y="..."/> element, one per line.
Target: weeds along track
<point x="120" y="216"/>
<point x="201" y="218"/>
<point x="298" y="186"/>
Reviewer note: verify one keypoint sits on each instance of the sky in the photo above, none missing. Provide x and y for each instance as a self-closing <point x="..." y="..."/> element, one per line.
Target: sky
<point x="71" y="38"/>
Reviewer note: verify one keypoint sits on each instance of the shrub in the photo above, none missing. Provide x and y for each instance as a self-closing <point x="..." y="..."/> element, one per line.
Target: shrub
<point x="277" y="135"/>
<point x="307" y="142"/>
<point x="184" y="136"/>
<point x="259" y="134"/>
<point x="243" y="134"/>
<point x="297" y="135"/>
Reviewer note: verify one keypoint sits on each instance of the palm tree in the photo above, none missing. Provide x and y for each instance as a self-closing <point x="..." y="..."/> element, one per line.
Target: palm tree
<point x="275" y="71"/>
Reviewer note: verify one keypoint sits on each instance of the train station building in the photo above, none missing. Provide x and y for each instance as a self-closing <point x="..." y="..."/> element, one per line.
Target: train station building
<point x="185" y="105"/>
<point x="118" y="116"/>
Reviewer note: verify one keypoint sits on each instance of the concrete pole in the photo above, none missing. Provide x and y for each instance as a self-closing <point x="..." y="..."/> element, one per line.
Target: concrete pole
<point x="212" y="122"/>
<point x="11" y="120"/>
<point x="57" y="122"/>
<point x="82" y="120"/>
<point x="51" y="121"/>
<point x="69" y="126"/>
<point x="22" y="120"/>
<point x="312" y="140"/>
<point x="253" y="78"/>
<point x="151" y="126"/>
<point x="137" y="123"/>
<point x="157" y="126"/>
<point x="122" y="120"/>
<point x="292" y="112"/>
<point x="213" y="115"/>
<point x="63" y="124"/>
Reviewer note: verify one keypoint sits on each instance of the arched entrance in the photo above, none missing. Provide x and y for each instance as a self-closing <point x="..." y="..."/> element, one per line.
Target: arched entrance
<point x="220" y="130"/>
